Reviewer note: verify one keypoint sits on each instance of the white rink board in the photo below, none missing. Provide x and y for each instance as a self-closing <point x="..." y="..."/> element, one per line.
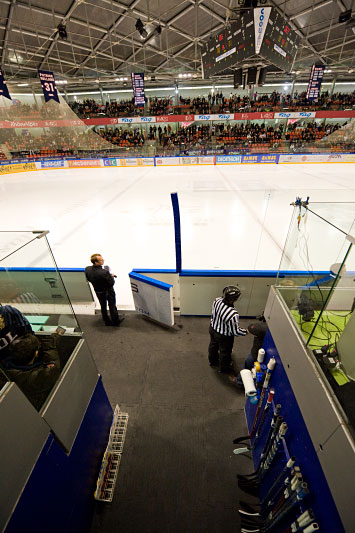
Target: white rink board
<point x="153" y="299"/>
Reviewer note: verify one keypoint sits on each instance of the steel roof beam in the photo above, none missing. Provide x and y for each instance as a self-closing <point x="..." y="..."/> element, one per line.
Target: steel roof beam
<point x="351" y="41"/>
<point x="67" y="15"/>
<point x="186" y="47"/>
<point x="43" y="11"/>
<point x="299" y="32"/>
<point x="310" y="9"/>
<point x="168" y="25"/>
<point x="7" y="28"/>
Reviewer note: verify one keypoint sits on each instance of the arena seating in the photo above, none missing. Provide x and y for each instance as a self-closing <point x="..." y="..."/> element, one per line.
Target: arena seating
<point x="214" y="103"/>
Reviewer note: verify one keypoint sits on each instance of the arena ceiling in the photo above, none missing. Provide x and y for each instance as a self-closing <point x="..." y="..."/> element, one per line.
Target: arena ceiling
<point x="103" y="45"/>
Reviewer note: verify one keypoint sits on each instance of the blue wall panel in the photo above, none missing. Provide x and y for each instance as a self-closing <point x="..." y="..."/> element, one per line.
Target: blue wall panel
<point x="297" y="443"/>
<point x="59" y="495"/>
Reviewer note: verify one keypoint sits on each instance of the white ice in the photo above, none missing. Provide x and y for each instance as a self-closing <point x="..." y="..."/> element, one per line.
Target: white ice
<point x="232" y="217"/>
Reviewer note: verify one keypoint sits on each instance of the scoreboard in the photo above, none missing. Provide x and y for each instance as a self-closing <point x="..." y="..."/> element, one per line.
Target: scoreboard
<point x="259" y="32"/>
<point x="280" y="42"/>
<point x="229" y="47"/>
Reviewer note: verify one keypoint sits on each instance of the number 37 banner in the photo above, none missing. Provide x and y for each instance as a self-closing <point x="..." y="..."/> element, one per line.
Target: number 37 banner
<point x="48" y="85"/>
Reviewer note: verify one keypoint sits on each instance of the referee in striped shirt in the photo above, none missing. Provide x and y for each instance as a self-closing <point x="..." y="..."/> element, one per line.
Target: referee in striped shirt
<point x="224" y="327"/>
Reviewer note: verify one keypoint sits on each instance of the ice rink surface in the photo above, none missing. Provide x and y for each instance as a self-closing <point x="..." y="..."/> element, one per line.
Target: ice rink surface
<point x="233" y="217"/>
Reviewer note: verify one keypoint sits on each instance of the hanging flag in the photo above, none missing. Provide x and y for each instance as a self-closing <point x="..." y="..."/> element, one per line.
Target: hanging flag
<point x="315" y="82"/>
<point x="4" y="91"/>
<point x="48" y="85"/>
<point x="138" y="88"/>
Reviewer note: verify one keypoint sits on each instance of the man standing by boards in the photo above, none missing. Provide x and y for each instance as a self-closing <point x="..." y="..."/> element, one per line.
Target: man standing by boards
<point x="103" y="281"/>
<point x="223" y="328"/>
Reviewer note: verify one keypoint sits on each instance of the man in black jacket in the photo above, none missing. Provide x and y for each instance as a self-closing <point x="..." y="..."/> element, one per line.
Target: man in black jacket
<point x="103" y="283"/>
<point x="258" y="329"/>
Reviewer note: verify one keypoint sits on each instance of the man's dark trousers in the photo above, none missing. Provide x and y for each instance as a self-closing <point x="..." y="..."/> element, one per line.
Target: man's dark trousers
<point x="220" y="350"/>
<point x="109" y="297"/>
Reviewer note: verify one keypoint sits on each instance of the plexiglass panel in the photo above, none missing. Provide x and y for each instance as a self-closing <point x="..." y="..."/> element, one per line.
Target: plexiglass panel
<point x="316" y="281"/>
<point x="34" y="303"/>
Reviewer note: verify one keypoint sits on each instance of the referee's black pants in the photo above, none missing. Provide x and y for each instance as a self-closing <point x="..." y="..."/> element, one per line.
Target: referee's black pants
<point x="220" y="350"/>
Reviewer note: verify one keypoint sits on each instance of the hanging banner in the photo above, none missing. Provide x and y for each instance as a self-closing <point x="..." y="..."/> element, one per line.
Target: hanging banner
<point x="315" y="82"/>
<point x="48" y="85"/>
<point x="138" y="88"/>
<point x="261" y="18"/>
<point x="4" y="91"/>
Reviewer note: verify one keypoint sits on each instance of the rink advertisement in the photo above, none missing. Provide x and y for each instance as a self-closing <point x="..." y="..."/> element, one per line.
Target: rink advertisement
<point x="152" y="298"/>
<point x="21" y="167"/>
<point x="228" y="159"/>
<point x="84" y="163"/>
<point x="8" y="167"/>
<point x="317" y="158"/>
<point x="261" y="158"/>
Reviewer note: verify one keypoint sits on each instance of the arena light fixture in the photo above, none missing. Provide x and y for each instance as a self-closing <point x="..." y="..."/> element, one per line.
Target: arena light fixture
<point x="22" y="84"/>
<point x="62" y="31"/>
<point x="141" y="29"/>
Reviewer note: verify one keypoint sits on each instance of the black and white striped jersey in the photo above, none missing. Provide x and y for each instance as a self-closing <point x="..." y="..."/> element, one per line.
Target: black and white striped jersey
<point x="225" y="319"/>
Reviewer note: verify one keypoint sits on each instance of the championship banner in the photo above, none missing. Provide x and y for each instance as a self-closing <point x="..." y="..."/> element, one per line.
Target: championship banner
<point x="315" y="82"/>
<point x="4" y="91"/>
<point x="138" y="87"/>
<point x="48" y="85"/>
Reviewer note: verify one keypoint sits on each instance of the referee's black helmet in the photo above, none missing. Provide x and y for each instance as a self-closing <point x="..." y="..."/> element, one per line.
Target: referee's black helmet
<point x="231" y="293"/>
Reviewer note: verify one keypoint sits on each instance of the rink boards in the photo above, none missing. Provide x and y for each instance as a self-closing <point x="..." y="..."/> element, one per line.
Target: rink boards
<point x="26" y="166"/>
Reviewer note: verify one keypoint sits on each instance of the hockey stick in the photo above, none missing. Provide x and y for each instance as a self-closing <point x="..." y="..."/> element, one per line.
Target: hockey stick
<point x="270" y="367"/>
<point x="274" y="428"/>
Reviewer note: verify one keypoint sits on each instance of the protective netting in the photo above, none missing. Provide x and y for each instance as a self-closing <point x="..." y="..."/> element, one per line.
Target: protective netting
<point x="45" y="128"/>
<point x="344" y="136"/>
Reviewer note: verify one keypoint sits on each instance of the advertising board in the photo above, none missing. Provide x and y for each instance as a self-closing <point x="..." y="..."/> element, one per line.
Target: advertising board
<point x="317" y="158"/>
<point x="228" y="159"/>
<point x="206" y="160"/>
<point x="110" y="162"/>
<point x="260" y="158"/>
<point x="167" y="161"/>
<point x="21" y="167"/>
<point x="300" y="114"/>
<point x="84" y="163"/>
<point x="60" y="163"/>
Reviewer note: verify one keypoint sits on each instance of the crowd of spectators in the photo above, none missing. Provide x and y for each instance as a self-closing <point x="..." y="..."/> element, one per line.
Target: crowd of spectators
<point x="214" y="103"/>
<point x="227" y="136"/>
<point x="123" y="137"/>
<point x="160" y="106"/>
<point x="61" y="141"/>
<point x="92" y="109"/>
<point x="17" y="110"/>
<point x="249" y="137"/>
<point x="311" y="133"/>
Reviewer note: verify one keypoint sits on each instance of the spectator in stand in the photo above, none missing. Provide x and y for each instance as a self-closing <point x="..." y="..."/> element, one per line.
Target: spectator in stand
<point x="34" y="366"/>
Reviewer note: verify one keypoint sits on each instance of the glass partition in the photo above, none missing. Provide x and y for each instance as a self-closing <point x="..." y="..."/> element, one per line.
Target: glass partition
<point x="316" y="282"/>
<point x="33" y="301"/>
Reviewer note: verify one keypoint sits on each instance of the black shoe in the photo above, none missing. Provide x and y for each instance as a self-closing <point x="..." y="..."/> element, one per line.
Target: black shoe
<point x="121" y="319"/>
<point x="108" y="323"/>
<point x="214" y="364"/>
